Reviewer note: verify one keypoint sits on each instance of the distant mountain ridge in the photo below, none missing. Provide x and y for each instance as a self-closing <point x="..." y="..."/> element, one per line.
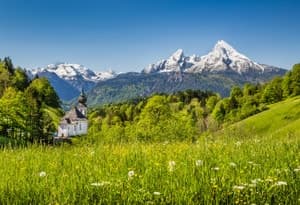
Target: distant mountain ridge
<point x="68" y="79"/>
<point x="217" y="71"/>
<point x="223" y="57"/>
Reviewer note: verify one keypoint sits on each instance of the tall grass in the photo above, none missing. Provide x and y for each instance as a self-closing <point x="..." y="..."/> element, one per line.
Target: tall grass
<point x="215" y="170"/>
<point x="255" y="161"/>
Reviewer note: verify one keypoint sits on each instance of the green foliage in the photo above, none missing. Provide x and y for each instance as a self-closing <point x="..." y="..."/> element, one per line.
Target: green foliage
<point x="180" y="116"/>
<point x="295" y="78"/>
<point x="20" y="79"/>
<point x="27" y="108"/>
<point x="9" y="65"/>
<point x="43" y="92"/>
<point x="187" y="114"/>
<point x="211" y="103"/>
<point x="218" y="169"/>
<point x="4" y="78"/>
<point x="273" y="91"/>
<point x="219" y="111"/>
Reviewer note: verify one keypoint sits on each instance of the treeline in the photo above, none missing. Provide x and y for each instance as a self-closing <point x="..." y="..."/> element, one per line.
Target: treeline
<point x="27" y="106"/>
<point x="252" y="99"/>
<point x="179" y="116"/>
<point x="185" y="115"/>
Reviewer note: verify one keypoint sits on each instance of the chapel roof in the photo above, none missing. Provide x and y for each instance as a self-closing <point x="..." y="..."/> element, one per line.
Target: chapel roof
<point x="73" y="115"/>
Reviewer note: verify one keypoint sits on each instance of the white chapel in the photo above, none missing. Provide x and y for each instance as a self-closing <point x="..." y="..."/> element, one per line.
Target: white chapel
<point x="75" y="121"/>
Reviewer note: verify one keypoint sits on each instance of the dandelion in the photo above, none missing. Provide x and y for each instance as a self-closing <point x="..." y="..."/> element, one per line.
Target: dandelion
<point x="281" y="183"/>
<point x="131" y="174"/>
<point x="239" y="188"/>
<point x="172" y="166"/>
<point x="42" y="174"/>
<point x="156" y="193"/>
<point x="199" y="163"/>
<point x="232" y="164"/>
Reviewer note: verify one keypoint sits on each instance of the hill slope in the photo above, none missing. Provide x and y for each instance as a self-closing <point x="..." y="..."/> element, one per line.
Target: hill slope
<point x="280" y="120"/>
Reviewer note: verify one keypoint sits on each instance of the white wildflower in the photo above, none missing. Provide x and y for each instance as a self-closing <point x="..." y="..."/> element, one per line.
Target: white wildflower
<point x="238" y="143"/>
<point x="131" y="174"/>
<point x="172" y="166"/>
<point x="156" y="193"/>
<point x="281" y="183"/>
<point x="269" y="180"/>
<point x="215" y="168"/>
<point x="232" y="164"/>
<point x="103" y="183"/>
<point x="297" y="170"/>
<point x="96" y="184"/>
<point x="255" y="181"/>
<point x="240" y="187"/>
<point x="199" y="163"/>
<point x="42" y="174"/>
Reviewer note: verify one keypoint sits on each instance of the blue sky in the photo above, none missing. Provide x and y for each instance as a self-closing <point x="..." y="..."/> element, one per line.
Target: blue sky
<point x="127" y="35"/>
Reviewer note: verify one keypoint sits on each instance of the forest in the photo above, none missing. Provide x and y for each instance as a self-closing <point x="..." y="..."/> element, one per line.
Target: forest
<point x="28" y="107"/>
<point x="185" y="115"/>
<point x="30" y="110"/>
<point x="190" y="147"/>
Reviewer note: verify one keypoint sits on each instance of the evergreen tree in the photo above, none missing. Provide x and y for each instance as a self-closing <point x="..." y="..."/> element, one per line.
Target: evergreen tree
<point x="273" y="92"/>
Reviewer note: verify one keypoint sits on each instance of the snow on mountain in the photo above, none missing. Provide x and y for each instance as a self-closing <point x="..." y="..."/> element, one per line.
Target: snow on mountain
<point x="223" y="57"/>
<point x="68" y="79"/>
<point x="173" y="64"/>
<point x="104" y="75"/>
<point x="71" y="72"/>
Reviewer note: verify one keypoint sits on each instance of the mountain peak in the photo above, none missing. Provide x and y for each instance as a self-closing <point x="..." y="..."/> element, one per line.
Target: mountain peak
<point x="177" y="55"/>
<point x="223" y="57"/>
<point x="223" y="44"/>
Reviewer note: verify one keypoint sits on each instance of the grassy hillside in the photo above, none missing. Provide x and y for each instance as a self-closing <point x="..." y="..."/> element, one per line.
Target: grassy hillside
<point x="280" y="120"/>
<point x="255" y="161"/>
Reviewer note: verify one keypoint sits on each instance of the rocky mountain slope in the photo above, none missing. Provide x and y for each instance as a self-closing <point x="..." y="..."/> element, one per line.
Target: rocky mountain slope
<point x="69" y="79"/>
<point x="217" y="71"/>
<point x="222" y="58"/>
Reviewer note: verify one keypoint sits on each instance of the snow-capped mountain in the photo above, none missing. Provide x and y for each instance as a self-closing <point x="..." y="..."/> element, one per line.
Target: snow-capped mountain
<point x="217" y="71"/>
<point x="174" y="63"/>
<point x="223" y="57"/>
<point x="75" y="75"/>
<point x="71" y="72"/>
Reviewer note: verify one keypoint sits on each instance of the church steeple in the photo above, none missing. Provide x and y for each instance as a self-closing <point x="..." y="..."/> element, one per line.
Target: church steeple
<point x="82" y="98"/>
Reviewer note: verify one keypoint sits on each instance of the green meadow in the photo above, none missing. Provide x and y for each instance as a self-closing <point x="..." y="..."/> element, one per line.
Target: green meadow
<point x="255" y="161"/>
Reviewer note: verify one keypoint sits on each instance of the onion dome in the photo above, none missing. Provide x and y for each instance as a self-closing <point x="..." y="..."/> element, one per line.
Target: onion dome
<point x="82" y="98"/>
